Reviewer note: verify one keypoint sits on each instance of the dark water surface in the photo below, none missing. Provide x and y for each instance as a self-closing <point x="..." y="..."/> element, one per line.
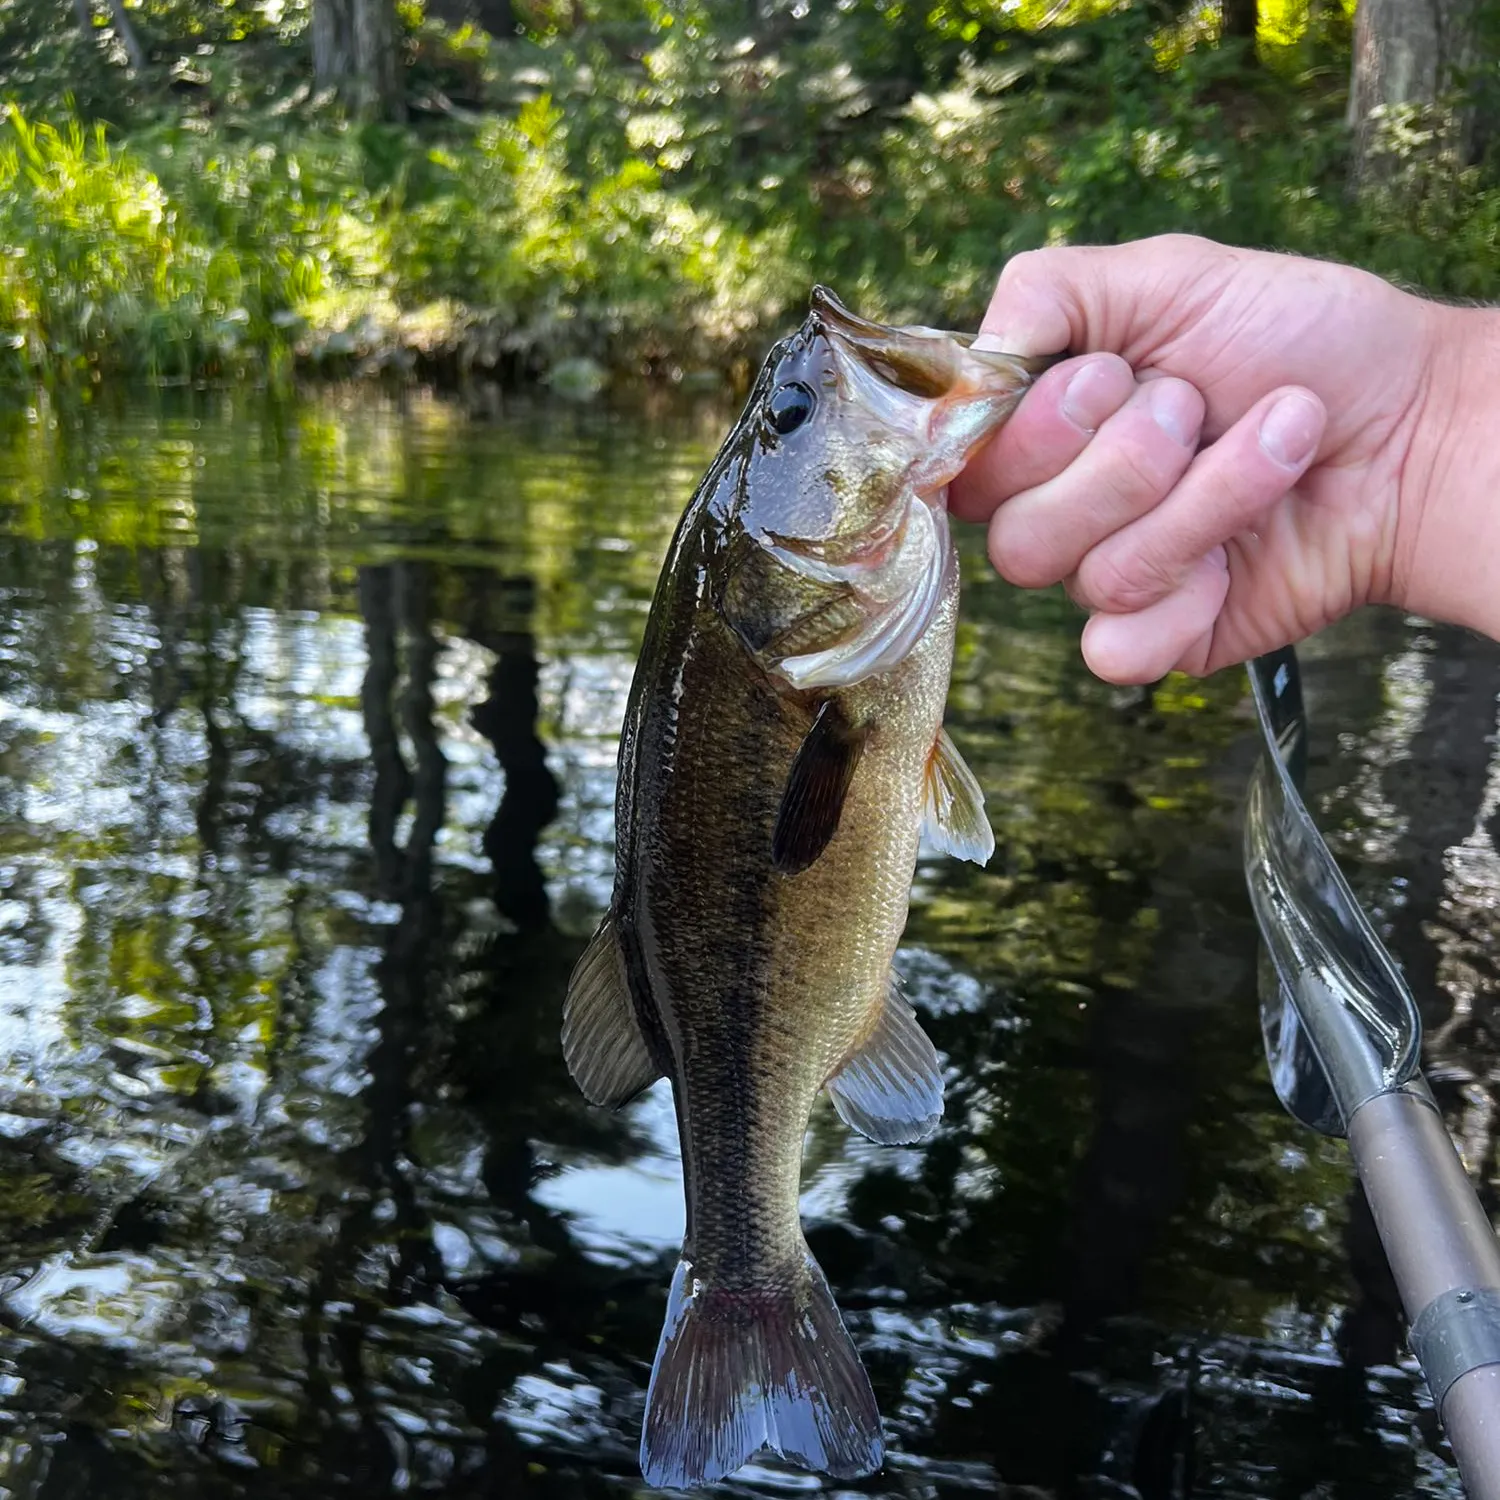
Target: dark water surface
<point x="307" y="734"/>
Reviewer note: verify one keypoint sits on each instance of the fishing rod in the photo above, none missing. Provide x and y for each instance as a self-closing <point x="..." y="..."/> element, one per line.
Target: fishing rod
<point x="1343" y="1038"/>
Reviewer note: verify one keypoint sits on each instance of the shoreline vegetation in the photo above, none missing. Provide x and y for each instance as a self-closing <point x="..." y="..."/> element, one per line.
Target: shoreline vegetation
<point x="636" y="190"/>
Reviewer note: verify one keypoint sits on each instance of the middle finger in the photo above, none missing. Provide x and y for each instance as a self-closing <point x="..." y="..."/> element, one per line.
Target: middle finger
<point x="1041" y="535"/>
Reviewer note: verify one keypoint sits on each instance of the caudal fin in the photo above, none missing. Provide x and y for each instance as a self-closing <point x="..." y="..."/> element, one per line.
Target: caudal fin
<point x="738" y="1371"/>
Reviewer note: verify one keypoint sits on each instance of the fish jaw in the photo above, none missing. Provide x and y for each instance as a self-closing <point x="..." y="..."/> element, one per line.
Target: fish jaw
<point x="945" y="399"/>
<point x="923" y="570"/>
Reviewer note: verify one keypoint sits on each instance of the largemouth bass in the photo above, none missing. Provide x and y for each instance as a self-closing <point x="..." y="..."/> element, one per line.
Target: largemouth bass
<point x="783" y="746"/>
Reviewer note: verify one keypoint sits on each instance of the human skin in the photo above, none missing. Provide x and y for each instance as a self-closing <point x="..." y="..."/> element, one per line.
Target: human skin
<point x="1245" y="447"/>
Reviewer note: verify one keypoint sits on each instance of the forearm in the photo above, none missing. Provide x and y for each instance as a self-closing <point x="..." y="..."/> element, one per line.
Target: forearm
<point x="1447" y="556"/>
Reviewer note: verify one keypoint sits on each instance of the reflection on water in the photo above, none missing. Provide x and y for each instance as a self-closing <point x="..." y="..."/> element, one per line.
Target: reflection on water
<point x="307" y="736"/>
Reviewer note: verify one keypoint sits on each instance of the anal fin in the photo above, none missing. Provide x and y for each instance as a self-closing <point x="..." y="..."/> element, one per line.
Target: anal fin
<point x="953" y="805"/>
<point x="602" y="1041"/>
<point x="891" y="1089"/>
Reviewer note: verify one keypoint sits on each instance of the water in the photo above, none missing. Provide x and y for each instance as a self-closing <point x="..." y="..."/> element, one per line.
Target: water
<point x="307" y="731"/>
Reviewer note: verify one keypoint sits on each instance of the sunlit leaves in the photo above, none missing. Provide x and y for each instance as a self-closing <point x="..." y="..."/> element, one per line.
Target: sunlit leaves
<point x="171" y="257"/>
<point x="651" y="187"/>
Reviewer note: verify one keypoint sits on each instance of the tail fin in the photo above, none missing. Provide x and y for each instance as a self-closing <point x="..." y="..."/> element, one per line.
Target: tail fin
<point x="738" y="1371"/>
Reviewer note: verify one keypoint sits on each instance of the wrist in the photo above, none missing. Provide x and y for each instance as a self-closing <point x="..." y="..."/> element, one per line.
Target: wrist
<point x="1446" y="562"/>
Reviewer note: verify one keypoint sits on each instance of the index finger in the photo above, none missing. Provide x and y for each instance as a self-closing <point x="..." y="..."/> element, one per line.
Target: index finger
<point x="1047" y="431"/>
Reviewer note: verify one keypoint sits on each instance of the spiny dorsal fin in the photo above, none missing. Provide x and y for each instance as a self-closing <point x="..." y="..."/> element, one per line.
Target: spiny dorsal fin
<point x="891" y="1089"/>
<point x="953" y="805"/>
<point x="602" y="1041"/>
<point x="815" y="789"/>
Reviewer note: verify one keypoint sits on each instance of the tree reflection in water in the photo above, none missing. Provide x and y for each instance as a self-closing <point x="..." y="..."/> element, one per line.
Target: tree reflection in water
<point x="307" y="731"/>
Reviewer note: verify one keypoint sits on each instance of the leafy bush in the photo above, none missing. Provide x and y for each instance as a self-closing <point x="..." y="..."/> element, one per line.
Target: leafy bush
<point x="94" y="260"/>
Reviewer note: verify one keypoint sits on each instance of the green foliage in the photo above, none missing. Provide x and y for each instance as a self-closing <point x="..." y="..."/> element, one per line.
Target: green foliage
<point x="92" y="253"/>
<point x="654" y="183"/>
<point x="171" y="257"/>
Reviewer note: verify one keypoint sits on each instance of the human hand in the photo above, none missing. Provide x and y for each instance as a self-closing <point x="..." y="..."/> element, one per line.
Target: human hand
<point x="1244" y="459"/>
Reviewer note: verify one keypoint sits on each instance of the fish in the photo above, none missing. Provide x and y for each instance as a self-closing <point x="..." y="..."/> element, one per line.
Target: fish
<point x="783" y="750"/>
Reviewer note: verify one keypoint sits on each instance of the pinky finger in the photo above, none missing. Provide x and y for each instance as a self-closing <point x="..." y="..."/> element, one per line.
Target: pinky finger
<point x="1175" y="632"/>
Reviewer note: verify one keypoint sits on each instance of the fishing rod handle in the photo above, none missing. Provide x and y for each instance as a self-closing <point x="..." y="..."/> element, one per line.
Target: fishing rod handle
<point x="1446" y="1262"/>
<point x="1473" y="1426"/>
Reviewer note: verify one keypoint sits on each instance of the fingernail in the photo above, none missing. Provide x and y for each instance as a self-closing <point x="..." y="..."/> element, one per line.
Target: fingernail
<point x="1095" y="392"/>
<point x="1177" y="409"/>
<point x="1290" y="430"/>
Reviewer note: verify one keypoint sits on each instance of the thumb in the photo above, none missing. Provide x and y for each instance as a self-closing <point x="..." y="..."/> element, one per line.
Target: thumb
<point x="1083" y="299"/>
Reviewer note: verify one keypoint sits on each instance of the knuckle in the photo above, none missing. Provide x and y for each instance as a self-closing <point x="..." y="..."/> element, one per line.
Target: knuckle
<point x="1184" y="244"/>
<point x="1022" y="554"/>
<point x="1235" y="494"/>
<point x="1138" y="470"/>
<point x="1023" y="269"/>
<point x="1137" y="463"/>
<point x="1120" y="581"/>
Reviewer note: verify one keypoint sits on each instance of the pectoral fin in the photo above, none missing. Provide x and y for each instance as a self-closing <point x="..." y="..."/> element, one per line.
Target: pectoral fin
<point x="605" y="1049"/>
<point x="892" y="1088"/>
<point x="815" y="789"/>
<point x="953" y="805"/>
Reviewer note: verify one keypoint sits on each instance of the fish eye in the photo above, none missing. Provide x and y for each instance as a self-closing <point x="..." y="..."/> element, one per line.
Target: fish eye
<point x="789" y="407"/>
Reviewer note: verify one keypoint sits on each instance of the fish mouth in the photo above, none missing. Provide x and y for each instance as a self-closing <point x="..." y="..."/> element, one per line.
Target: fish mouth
<point x="929" y="384"/>
<point x="926" y="362"/>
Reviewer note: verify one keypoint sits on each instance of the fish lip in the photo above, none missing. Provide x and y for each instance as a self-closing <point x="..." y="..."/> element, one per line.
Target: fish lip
<point x="911" y="363"/>
<point x="828" y="314"/>
<point x="926" y="388"/>
<point x="875" y="342"/>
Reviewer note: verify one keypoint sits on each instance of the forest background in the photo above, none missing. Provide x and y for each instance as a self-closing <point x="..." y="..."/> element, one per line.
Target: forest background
<point x="580" y="190"/>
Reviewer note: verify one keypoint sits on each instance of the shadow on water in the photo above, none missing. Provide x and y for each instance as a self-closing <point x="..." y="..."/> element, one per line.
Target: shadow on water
<point x="307" y="731"/>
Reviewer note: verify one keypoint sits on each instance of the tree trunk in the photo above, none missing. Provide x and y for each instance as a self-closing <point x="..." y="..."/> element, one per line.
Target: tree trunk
<point x="498" y="17"/>
<point x="125" y="31"/>
<point x="1239" y="19"/>
<point x="1406" y="52"/>
<point x="354" y="51"/>
<point x="129" y="38"/>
